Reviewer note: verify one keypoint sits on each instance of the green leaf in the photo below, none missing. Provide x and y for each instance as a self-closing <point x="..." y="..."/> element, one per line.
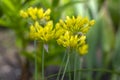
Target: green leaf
<point x="114" y="12"/>
<point x="61" y="8"/>
<point x="8" y="4"/>
<point x="93" y="38"/>
<point x="116" y="57"/>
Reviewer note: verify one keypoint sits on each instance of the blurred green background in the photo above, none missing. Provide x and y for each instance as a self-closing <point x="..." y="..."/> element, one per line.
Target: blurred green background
<point x="103" y="38"/>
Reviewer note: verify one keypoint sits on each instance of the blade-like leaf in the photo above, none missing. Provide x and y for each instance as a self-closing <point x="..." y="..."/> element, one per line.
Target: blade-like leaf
<point x="8" y="4"/>
<point x="61" y="8"/>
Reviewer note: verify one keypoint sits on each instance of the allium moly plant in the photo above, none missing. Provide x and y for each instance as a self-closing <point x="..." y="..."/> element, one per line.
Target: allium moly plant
<point x="41" y="28"/>
<point x="70" y="33"/>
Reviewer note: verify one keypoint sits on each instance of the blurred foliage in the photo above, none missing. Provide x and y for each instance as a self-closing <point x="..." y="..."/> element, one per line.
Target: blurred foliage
<point x="103" y="38"/>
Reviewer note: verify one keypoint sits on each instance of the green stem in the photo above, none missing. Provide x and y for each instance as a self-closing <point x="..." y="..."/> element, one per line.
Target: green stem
<point x="75" y="60"/>
<point x="36" y="72"/>
<point x="61" y="66"/>
<point x="65" y="67"/>
<point x="80" y="67"/>
<point x="43" y="63"/>
<point x="69" y="67"/>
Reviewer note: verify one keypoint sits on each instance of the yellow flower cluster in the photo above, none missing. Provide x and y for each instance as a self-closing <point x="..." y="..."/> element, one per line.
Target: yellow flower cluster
<point x="44" y="33"/>
<point x="76" y="25"/>
<point x="71" y="33"/>
<point x="36" y="13"/>
<point x="42" y="28"/>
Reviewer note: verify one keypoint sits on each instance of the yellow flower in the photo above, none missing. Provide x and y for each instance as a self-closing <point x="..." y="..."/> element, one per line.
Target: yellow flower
<point x="92" y="22"/>
<point x="87" y="27"/>
<point x="44" y="33"/>
<point x="58" y="31"/>
<point x="47" y="14"/>
<point x="73" y="41"/>
<point x="64" y="40"/>
<point x="23" y="14"/>
<point x="82" y="40"/>
<point x="36" y="13"/>
<point x="40" y="13"/>
<point x="68" y="40"/>
<point x="32" y="12"/>
<point x="44" y="15"/>
<point x="47" y="33"/>
<point x="75" y="25"/>
<point x="83" y="49"/>
<point x="42" y="27"/>
<point x="33" y="33"/>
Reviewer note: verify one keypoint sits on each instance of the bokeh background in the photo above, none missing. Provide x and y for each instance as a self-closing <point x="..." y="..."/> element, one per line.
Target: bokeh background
<point x="16" y="50"/>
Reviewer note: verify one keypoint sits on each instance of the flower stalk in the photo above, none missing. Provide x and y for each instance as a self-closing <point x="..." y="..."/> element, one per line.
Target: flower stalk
<point x="43" y="63"/>
<point x="36" y="68"/>
<point x="60" y="70"/>
<point x="65" y="66"/>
